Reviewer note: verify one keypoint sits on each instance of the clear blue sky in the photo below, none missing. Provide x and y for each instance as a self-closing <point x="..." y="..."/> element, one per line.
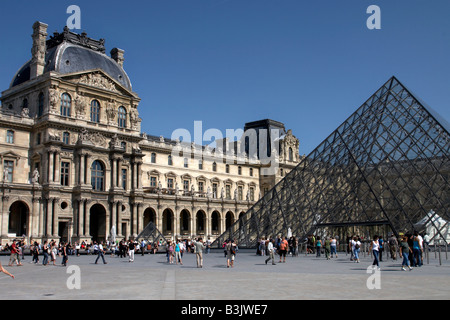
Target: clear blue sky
<point x="309" y="64"/>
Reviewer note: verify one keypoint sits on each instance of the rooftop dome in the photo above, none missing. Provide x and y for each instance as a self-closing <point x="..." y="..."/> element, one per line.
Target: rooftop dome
<point x="68" y="52"/>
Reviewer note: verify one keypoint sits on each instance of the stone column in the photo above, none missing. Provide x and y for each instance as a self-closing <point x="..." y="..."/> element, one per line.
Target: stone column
<point x="87" y="232"/>
<point x="80" y="218"/>
<point x="113" y="173"/>
<point x="35" y="218"/>
<point x="82" y="169"/>
<point x="119" y="172"/>
<point x="114" y="216"/>
<point x="57" y="173"/>
<point x="55" y="217"/>
<point x="140" y="218"/>
<point x="4" y="220"/>
<point x="88" y="170"/>
<point x="50" y="166"/>
<point x="119" y="218"/>
<point x="49" y="217"/>
<point x="139" y="175"/>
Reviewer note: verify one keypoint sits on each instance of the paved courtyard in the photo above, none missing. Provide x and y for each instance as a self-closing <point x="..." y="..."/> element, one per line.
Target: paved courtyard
<point x="150" y="277"/>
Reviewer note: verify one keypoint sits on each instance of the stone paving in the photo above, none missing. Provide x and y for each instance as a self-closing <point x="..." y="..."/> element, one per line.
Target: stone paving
<point x="150" y="277"/>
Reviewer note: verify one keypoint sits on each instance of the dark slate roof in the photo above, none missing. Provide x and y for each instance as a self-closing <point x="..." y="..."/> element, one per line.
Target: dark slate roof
<point x="67" y="55"/>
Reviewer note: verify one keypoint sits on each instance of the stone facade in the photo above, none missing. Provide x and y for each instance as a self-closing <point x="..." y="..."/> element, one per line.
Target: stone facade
<point x="76" y="164"/>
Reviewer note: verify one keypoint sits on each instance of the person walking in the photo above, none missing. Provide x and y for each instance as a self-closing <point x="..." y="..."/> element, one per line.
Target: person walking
<point x="381" y="248"/>
<point x="333" y="245"/>
<point x="5" y="271"/>
<point x="35" y="252"/>
<point x="374" y="247"/>
<point x="100" y="253"/>
<point x="356" y="248"/>
<point x="178" y="252"/>
<point x="45" y="251"/>
<point x="283" y="246"/>
<point x="393" y="244"/>
<point x="318" y="246"/>
<point x="53" y="252"/>
<point x="327" y="247"/>
<point x="231" y="253"/>
<point x="65" y="254"/>
<point x="131" y="247"/>
<point x="417" y="250"/>
<point x="14" y="256"/>
<point x="199" y="246"/>
<point x="405" y="250"/>
<point x="271" y="252"/>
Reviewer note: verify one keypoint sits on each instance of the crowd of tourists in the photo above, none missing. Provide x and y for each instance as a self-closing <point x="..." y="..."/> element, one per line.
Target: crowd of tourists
<point x="408" y="247"/>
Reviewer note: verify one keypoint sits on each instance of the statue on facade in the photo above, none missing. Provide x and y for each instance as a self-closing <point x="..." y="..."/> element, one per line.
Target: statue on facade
<point x="35" y="177"/>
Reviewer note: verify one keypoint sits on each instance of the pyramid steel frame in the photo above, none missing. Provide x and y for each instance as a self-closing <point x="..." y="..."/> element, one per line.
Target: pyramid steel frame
<point x="386" y="166"/>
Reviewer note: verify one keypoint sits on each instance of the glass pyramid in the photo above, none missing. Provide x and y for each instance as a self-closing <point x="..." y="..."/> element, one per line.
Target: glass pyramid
<point x="381" y="171"/>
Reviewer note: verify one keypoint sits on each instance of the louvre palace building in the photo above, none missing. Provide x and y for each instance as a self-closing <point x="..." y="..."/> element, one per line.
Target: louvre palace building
<point x="76" y="165"/>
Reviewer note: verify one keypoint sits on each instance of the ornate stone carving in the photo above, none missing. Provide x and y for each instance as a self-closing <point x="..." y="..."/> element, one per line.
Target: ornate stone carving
<point x="99" y="81"/>
<point x="53" y="98"/>
<point x="111" y="112"/>
<point x="80" y="106"/>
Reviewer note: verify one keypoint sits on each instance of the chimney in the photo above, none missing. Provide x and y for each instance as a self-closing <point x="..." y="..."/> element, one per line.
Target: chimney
<point x="38" y="50"/>
<point x="117" y="55"/>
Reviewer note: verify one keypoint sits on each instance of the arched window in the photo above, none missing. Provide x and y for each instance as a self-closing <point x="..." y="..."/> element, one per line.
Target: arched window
<point x="66" y="104"/>
<point x="153" y="157"/>
<point x="239" y="170"/>
<point x="214" y="166"/>
<point x="169" y="160"/>
<point x="227" y="168"/>
<point x="97" y="176"/>
<point x="40" y="104"/>
<point x="95" y="111"/>
<point x="291" y="155"/>
<point x="186" y="162"/>
<point x="122" y="117"/>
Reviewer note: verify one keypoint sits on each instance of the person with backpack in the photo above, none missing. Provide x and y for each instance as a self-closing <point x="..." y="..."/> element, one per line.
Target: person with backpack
<point x="356" y="248"/>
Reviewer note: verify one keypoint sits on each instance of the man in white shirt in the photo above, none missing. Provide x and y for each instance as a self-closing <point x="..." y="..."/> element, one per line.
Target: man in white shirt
<point x="271" y="252"/>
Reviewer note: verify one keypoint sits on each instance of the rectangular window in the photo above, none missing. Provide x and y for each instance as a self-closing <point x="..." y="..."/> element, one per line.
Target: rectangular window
<point x="8" y="170"/>
<point x="200" y="186"/>
<point x="170" y="183"/>
<point x="65" y="170"/>
<point x="240" y="193"/>
<point x="252" y="194"/>
<point x="186" y="185"/>
<point x="153" y="182"/>
<point x="228" y="191"/>
<point x="9" y="136"/>
<point x="124" y="179"/>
